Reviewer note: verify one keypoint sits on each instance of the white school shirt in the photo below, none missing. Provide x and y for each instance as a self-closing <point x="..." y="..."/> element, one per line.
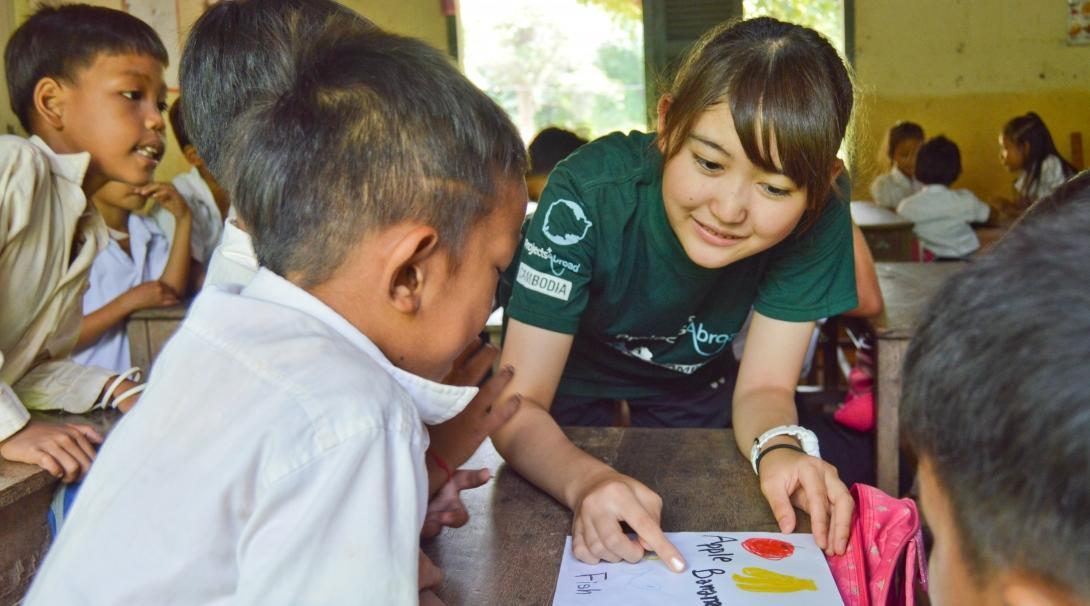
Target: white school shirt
<point x="115" y="272"/>
<point x="277" y="457"/>
<point x="234" y="260"/>
<point x="207" y="219"/>
<point x="942" y="217"/>
<point x="49" y="236"/>
<point x="890" y="188"/>
<point x="1052" y="176"/>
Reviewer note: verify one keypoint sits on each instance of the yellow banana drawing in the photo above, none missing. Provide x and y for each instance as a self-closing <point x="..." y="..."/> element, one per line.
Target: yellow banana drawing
<point x="759" y="580"/>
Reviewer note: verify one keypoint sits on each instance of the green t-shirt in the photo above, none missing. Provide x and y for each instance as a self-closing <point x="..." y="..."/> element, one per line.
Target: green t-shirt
<point x="599" y="260"/>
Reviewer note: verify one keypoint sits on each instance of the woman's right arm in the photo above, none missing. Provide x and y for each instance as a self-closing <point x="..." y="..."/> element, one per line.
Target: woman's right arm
<point x="535" y="446"/>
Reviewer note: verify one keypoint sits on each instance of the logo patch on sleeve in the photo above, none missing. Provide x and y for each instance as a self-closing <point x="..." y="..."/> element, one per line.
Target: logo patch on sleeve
<point x="550" y="286"/>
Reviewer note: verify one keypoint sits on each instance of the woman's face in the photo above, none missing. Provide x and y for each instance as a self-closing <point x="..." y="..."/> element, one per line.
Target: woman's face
<point x="721" y="206"/>
<point x="1012" y="155"/>
<point x="904" y="156"/>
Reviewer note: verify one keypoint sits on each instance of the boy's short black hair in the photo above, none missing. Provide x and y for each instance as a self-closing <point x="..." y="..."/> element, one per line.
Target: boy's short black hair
<point x="996" y="388"/>
<point x="377" y="129"/>
<point x="238" y="49"/>
<point x="177" y="124"/>
<point x="550" y="146"/>
<point x="938" y="161"/>
<point x="58" y="41"/>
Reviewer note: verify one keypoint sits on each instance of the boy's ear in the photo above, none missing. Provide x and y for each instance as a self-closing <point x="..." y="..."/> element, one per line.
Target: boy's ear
<point x="408" y="268"/>
<point x="191" y="156"/>
<point x="49" y="98"/>
<point x="1018" y="589"/>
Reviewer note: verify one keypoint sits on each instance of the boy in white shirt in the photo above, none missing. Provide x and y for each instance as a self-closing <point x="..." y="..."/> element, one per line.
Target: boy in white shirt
<point x="208" y="202"/>
<point x="315" y="381"/>
<point x="87" y="84"/>
<point x="942" y="216"/>
<point x="139" y="269"/>
<point x="903" y="141"/>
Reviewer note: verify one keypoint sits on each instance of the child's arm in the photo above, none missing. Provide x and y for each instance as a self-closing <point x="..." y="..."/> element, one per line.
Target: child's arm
<point x="764" y="398"/>
<point x="143" y="296"/>
<point x="176" y="273"/>
<point x="599" y="496"/>
<point x="866" y="278"/>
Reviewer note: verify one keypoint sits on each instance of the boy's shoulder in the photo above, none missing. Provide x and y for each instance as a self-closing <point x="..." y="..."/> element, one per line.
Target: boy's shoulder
<point x="19" y="153"/>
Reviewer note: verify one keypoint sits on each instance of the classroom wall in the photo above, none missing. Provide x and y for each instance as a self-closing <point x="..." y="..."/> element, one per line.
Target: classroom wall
<point x="963" y="68"/>
<point x="419" y="18"/>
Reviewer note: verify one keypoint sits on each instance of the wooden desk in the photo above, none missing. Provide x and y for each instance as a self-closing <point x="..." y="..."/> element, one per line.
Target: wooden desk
<point x="510" y="551"/>
<point x="906" y="288"/>
<point x="149" y="330"/>
<point x="888" y="234"/>
<point x="25" y="494"/>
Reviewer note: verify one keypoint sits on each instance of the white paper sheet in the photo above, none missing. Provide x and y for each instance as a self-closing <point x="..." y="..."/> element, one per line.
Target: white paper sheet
<point x="724" y="568"/>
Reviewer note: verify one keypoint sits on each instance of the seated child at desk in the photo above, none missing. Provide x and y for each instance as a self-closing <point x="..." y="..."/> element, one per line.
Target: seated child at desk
<point x="994" y="405"/>
<point x="284" y="424"/>
<point x="888" y="189"/>
<point x="138" y="269"/>
<point x="208" y="202"/>
<point x="1026" y="148"/>
<point x="87" y="84"/>
<point x="549" y="147"/>
<point x="943" y="215"/>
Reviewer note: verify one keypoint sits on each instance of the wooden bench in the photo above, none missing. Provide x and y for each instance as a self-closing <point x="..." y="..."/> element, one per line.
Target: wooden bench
<point x="888" y="234"/>
<point x="26" y="492"/>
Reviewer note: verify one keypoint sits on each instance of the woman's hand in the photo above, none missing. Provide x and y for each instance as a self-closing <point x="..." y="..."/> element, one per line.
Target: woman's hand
<point x="612" y="498"/>
<point x="791" y="478"/>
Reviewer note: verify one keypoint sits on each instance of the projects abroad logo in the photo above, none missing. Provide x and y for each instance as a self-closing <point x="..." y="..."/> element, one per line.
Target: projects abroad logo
<point x="565" y="213"/>
<point x="556" y="264"/>
<point x="706" y="343"/>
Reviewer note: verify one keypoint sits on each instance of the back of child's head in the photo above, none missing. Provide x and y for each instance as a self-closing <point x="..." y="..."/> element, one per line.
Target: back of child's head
<point x="238" y="49"/>
<point x="781" y="81"/>
<point x="550" y="146"/>
<point x="938" y="161"/>
<point x="58" y="41"/>
<point x="376" y="130"/>
<point x="995" y="395"/>
<point x="901" y="132"/>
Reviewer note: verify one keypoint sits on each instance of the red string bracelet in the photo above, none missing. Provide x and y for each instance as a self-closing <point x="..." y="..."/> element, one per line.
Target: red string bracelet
<point x="441" y="464"/>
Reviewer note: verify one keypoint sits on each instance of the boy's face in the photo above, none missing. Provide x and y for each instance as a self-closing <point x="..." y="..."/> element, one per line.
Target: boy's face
<point x="904" y="156"/>
<point x="113" y="110"/>
<point x="460" y="303"/>
<point x="950" y="583"/>
<point x="119" y="195"/>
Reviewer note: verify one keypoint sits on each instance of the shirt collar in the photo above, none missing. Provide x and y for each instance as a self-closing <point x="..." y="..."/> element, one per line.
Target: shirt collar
<point x="70" y="167"/>
<point x="935" y="187"/>
<point x="435" y="402"/>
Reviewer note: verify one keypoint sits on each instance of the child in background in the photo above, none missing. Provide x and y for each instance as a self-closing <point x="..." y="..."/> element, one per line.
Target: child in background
<point x="549" y="147"/>
<point x="316" y="379"/>
<point x="994" y="405"/>
<point x="645" y="257"/>
<point x="942" y="216"/>
<point x="87" y="84"/>
<point x="208" y="202"/>
<point x="1026" y="148"/>
<point x="899" y="183"/>
<point x="138" y="269"/>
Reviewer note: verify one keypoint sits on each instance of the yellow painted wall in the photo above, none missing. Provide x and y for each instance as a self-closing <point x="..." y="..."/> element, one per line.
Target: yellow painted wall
<point x="418" y="18"/>
<point x="963" y="68"/>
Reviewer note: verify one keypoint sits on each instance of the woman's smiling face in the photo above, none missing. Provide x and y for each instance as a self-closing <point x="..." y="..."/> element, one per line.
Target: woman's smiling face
<point x="722" y="206"/>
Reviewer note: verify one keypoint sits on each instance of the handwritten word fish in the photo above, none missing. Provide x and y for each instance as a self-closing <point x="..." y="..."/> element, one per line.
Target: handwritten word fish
<point x="759" y="580"/>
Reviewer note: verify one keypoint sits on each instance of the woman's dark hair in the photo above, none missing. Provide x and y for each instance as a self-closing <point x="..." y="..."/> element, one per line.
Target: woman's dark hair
<point x="780" y="80"/>
<point x="1030" y="133"/>
<point x="58" y="41"/>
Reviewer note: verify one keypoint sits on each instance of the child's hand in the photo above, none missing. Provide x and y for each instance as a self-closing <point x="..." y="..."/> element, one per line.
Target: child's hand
<point x="613" y="498"/>
<point x="472" y="364"/>
<point x="446" y="507"/>
<point x="812" y="485"/>
<point x="166" y="196"/>
<point x="430" y="575"/>
<point x="64" y="451"/>
<point x="148" y="295"/>
<point x="457" y="439"/>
